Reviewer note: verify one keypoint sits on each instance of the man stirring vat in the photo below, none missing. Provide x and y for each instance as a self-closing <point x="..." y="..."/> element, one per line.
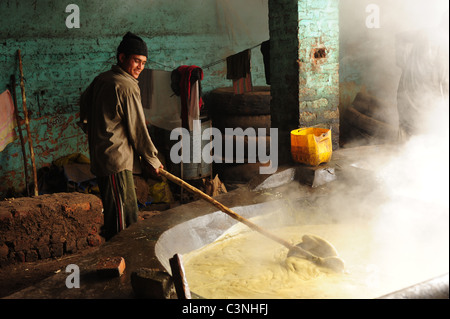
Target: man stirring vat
<point x="111" y="114"/>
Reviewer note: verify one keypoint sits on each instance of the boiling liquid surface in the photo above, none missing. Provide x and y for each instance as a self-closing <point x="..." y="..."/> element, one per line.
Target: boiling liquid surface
<point x="244" y="264"/>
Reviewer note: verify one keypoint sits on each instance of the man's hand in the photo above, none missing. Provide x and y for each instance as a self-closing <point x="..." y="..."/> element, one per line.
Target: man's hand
<point x="157" y="170"/>
<point x="150" y="171"/>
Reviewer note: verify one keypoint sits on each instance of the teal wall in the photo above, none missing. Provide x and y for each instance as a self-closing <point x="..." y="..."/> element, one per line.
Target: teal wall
<point x="59" y="62"/>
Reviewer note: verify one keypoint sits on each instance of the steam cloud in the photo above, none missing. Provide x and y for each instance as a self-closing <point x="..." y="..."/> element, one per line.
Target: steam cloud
<point x="411" y="221"/>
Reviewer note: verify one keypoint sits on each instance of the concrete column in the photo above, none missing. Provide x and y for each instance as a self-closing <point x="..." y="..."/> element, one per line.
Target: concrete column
<point x="304" y="59"/>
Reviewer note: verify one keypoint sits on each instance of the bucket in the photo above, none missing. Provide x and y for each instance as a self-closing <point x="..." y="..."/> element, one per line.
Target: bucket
<point x="311" y="146"/>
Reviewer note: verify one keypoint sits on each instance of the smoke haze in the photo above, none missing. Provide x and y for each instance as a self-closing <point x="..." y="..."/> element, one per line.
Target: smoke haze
<point x="413" y="222"/>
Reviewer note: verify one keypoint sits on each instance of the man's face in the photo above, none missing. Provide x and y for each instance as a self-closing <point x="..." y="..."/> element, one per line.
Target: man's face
<point x="133" y="64"/>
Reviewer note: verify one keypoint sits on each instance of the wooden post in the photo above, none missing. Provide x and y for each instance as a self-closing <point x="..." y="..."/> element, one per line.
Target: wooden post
<point x="19" y="128"/>
<point x="27" y="124"/>
<point x="179" y="277"/>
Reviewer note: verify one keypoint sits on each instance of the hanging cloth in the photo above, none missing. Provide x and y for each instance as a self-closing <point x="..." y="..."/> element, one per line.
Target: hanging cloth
<point x="7" y="120"/>
<point x="162" y="108"/>
<point x="265" y="50"/>
<point x="238" y="65"/>
<point x="183" y="79"/>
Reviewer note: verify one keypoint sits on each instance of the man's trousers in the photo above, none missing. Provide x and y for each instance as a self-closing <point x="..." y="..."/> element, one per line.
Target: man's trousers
<point x="120" y="208"/>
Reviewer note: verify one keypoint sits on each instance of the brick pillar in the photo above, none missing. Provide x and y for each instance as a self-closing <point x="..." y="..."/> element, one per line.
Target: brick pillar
<point x="304" y="39"/>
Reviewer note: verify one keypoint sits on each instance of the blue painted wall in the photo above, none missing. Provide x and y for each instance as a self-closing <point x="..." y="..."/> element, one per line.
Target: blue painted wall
<point x="59" y="62"/>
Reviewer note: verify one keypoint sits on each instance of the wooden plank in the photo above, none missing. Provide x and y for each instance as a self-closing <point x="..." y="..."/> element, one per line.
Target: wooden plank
<point x="179" y="277"/>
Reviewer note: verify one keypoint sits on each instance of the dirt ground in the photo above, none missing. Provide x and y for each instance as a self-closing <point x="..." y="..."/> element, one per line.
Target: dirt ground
<point x="16" y="277"/>
<point x="19" y="276"/>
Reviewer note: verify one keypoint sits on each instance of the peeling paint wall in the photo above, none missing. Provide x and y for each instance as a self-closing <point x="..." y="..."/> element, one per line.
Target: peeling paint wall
<point x="59" y="62"/>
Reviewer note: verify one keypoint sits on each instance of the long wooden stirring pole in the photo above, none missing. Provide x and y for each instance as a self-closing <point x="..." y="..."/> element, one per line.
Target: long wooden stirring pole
<point x="27" y="124"/>
<point x="333" y="262"/>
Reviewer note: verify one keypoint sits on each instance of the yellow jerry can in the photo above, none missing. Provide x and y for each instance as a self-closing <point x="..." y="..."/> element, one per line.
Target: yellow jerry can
<point x="311" y="146"/>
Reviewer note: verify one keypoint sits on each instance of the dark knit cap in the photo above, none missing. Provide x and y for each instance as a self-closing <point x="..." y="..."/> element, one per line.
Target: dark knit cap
<point x="132" y="44"/>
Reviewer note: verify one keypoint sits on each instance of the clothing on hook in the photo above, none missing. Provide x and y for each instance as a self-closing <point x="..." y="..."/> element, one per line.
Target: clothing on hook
<point x="183" y="79"/>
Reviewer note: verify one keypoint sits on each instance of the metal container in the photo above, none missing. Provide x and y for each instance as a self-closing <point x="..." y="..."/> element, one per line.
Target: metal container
<point x="311" y="146"/>
<point x="191" y="170"/>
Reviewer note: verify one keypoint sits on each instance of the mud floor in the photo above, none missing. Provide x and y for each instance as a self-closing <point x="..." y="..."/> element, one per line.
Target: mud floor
<point x="18" y="276"/>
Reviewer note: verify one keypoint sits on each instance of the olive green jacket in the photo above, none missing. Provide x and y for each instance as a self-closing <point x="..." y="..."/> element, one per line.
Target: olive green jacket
<point x="114" y="120"/>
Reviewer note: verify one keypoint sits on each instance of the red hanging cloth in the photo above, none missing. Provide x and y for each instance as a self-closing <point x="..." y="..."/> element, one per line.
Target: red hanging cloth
<point x="189" y="74"/>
